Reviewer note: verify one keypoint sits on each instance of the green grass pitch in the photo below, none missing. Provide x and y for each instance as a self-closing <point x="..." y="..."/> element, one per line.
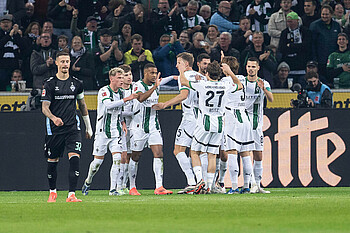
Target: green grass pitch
<point x="284" y="210"/>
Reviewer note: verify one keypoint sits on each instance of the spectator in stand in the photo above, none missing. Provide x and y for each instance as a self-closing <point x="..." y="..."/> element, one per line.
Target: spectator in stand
<point x="338" y="65"/>
<point x="89" y="34"/>
<point x="268" y="63"/>
<point x="107" y="56"/>
<point x="324" y="38"/>
<point x="29" y="16"/>
<point x="295" y="46"/>
<point x="280" y="80"/>
<point x="241" y="38"/>
<point x="165" y="57"/>
<point x="82" y="64"/>
<point x="48" y="28"/>
<point x="13" y="7"/>
<point x="137" y="57"/>
<point x="16" y="76"/>
<point x="182" y="4"/>
<point x="63" y="43"/>
<point x="60" y="13"/>
<point x="163" y="21"/>
<point x="220" y="18"/>
<point x="199" y="46"/>
<point x="224" y="45"/>
<point x="205" y="12"/>
<point x="259" y="13"/>
<point x="339" y="16"/>
<point x="278" y="22"/>
<point x="42" y="62"/>
<point x="191" y="21"/>
<point x="12" y="48"/>
<point x="346" y="5"/>
<point x="129" y="6"/>
<point x="212" y="36"/>
<point x="310" y="14"/>
<point x="311" y="66"/>
<point x="96" y="8"/>
<point x="184" y="39"/>
<point x="124" y="38"/>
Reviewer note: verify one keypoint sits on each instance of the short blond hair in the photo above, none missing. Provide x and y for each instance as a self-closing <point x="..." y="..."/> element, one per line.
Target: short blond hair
<point x="115" y="70"/>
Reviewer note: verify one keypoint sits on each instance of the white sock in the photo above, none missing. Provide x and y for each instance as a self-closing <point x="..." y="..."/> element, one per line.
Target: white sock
<point x="158" y="171"/>
<point x="53" y="191"/>
<point x="132" y="173"/>
<point x="217" y="169"/>
<point x="258" y="170"/>
<point x="247" y="170"/>
<point x="115" y="170"/>
<point x="198" y="172"/>
<point x="120" y="178"/>
<point x="126" y="175"/>
<point x="204" y="162"/>
<point x="71" y="193"/>
<point x="185" y="165"/>
<point x="211" y="179"/>
<point x="234" y="170"/>
<point x="94" y="167"/>
<point x="223" y="169"/>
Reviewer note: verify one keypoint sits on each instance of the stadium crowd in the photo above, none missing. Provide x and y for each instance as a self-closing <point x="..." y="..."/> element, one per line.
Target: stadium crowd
<point x="101" y="34"/>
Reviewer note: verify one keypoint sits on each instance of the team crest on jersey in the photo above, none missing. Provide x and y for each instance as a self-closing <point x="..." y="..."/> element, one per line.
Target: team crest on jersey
<point x="43" y="93"/>
<point x="56" y="88"/>
<point x="104" y="94"/>
<point x="72" y="87"/>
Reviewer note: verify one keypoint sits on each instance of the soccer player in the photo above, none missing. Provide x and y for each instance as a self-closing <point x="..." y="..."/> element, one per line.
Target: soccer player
<point x="203" y="60"/>
<point x="145" y="129"/>
<point x="185" y="130"/>
<point x="209" y="128"/>
<point x="109" y="126"/>
<point x="238" y="133"/>
<point x="59" y="97"/>
<point x="256" y="90"/>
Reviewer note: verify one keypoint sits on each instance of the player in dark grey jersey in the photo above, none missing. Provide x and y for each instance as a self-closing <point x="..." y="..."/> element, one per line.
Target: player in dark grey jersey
<point x="59" y="98"/>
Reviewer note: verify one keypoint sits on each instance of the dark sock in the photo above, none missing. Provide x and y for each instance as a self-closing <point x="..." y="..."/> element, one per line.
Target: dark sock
<point x="52" y="174"/>
<point x="73" y="174"/>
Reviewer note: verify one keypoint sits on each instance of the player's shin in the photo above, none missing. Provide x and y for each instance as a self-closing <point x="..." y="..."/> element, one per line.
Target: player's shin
<point x="93" y="169"/>
<point x="115" y="170"/>
<point x="185" y="165"/>
<point x="52" y="174"/>
<point x="73" y="172"/>
<point x="247" y="170"/>
<point x="158" y="171"/>
<point x="258" y="170"/>
<point x="204" y="162"/>
<point x="233" y="169"/>
<point x="132" y="173"/>
<point x="222" y="171"/>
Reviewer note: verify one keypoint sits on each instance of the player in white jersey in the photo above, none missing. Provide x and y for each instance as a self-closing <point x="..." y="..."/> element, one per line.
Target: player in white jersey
<point x="207" y="136"/>
<point x="145" y="129"/>
<point x="256" y="90"/>
<point x="109" y="126"/>
<point x="189" y="114"/>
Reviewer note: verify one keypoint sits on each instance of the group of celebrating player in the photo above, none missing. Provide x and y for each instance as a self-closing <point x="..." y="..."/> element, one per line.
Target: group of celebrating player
<point x="227" y="110"/>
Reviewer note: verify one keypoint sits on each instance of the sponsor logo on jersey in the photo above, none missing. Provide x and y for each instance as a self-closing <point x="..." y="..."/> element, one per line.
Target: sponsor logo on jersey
<point x="135" y="88"/>
<point x="65" y="97"/>
<point x="43" y="93"/>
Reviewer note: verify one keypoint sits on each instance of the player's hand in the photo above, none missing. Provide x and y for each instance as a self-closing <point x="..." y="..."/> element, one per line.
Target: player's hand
<point x="175" y="77"/>
<point x="131" y="97"/>
<point x="225" y="68"/>
<point x="124" y="128"/>
<point x="88" y="135"/>
<point x="57" y="121"/>
<point x="222" y="55"/>
<point x="260" y="83"/>
<point x="158" y="106"/>
<point x="158" y="80"/>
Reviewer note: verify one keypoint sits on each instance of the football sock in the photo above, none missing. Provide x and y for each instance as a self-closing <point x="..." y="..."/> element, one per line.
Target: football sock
<point x="126" y="175"/>
<point x="222" y="169"/>
<point x="234" y="170"/>
<point x="198" y="172"/>
<point x="121" y="175"/>
<point x="258" y="170"/>
<point x="158" y="171"/>
<point x="93" y="169"/>
<point x="70" y="193"/>
<point x="247" y="170"/>
<point x="52" y="174"/>
<point x="115" y="170"/>
<point x="211" y="179"/>
<point x="132" y="173"/>
<point x="185" y="165"/>
<point x="204" y="162"/>
<point x="73" y="173"/>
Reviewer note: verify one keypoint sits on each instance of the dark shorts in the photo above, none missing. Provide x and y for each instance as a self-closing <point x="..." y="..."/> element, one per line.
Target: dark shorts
<point x="55" y="144"/>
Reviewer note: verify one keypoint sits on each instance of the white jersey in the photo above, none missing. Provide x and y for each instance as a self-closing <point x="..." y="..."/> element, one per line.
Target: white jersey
<point x="255" y="102"/>
<point x="235" y="100"/>
<point x="128" y="106"/>
<point x="212" y="95"/>
<point x="145" y="116"/>
<point x="190" y="104"/>
<point x="108" y="120"/>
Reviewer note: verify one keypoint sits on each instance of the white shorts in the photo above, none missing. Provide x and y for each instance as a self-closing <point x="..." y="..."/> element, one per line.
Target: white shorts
<point x="101" y="144"/>
<point x="184" y="133"/>
<point x="238" y="131"/>
<point x="258" y="139"/>
<point x="126" y="142"/>
<point x="207" y="142"/>
<point x="139" y="139"/>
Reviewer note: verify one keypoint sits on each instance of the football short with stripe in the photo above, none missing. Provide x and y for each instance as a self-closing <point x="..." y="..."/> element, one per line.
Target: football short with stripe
<point x="205" y="141"/>
<point x="139" y="139"/>
<point x="102" y="144"/>
<point x="56" y="144"/>
<point x="184" y="133"/>
<point x="238" y="131"/>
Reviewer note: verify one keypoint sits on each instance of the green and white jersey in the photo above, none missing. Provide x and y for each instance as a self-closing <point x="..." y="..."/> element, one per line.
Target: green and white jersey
<point x="108" y="120"/>
<point x="190" y="104"/>
<point x="212" y="97"/>
<point x="255" y="102"/>
<point x="128" y="106"/>
<point x="144" y="116"/>
<point x="235" y="100"/>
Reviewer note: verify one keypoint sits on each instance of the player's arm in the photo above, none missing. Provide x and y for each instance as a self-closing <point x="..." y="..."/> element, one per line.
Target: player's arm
<point x="166" y="80"/>
<point x="45" y="106"/>
<point x="115" y="104"/>
<point x="176" y="100"/>
<point x="143" y="96"/>
<point x="234" y="78"/>
<point x="85" y="113"/>
<point x="266" y="90"/>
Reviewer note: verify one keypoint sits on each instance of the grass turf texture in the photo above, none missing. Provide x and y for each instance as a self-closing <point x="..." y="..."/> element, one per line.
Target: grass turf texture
<point x="284" y="210"/>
